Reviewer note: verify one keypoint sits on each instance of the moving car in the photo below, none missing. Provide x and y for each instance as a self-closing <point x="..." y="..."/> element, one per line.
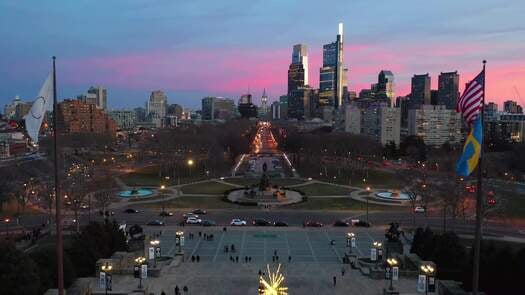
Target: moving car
<point x="237" y="222"/>
<point x="261" y="222"/>
<point x="361" y="223"/>
<point x="166" y="213"/>
<point x="156" y="222"/>
<point x="310" y="223"/>
<point x="106" y="213"/>
<point x="341" y="223"/>
<point x="280" y="223"/>
<point x="419" y="209"/>
<point x="199" y="211"/>
<point x="131" y="210"/>
<point x="208" y="222"/>
<point x="193" y="220"/>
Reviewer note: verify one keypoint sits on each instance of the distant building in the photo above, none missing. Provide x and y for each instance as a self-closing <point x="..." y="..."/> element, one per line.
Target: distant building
<point x="436" y="125"/>
<point x="283" y="107"/>
<point x="434" y="97"/>
<point x="333" y="74"/>
<point x="75" y="116"/>
<point x="17" y="109"/>
<point x="175" y="110"/>
<point x="505" y="127"/>
<point x="420" y="94"/>
<point x="490" y="111"/>
<point x="386" y="86"/>
<point x="448" y="90"/>
<point x="276" y="110"/>
<point x="301" y="103"/>
<point x="217" y="108"/>
<point x="379" y="121"/>
<point x="511" y="107"/>
<point x="125" y="119"/>
<point x="140" y="114"/>
<point x="352" y="119"/>
<point x="263" y="110"/>
<point x="157" y="106"/>
<point x="246" y="108"/>
<point x="298" y="70"/>
<point x="101" y="96"/>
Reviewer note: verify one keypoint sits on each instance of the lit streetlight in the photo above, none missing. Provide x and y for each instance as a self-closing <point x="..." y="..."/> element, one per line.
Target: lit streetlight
<point x="350" y="241"/>
<point x="139" y="261"/>
<point x="368" y="189"/>
<point x="428" y="272"/>
<point x="7" y="221"/>
<point x="392" y="262"/>
<point x="190" y="164"/>
<point x="106" y="270"/>
<point x="179" y="240"/>
<point x="156" y="250"/>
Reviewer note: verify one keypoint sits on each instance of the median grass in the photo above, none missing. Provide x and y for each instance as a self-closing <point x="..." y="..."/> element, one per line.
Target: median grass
<point x="322" y="189"/>
<point x="211" y="202"/>
<point x="327" y="203"/>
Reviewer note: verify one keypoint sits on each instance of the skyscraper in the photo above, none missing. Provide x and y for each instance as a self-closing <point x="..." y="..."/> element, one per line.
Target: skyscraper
<point x="246" y="108"/>
<point x="420" y="94"/>
<point x="332" y="76"/>
<point x="264" y="103"/>
<point x="448" y="89"/>
<point x="99" y="95"/>
<point x="156" y="107"/>
<point x="385" y="86"/>
<point x="510" y="106"/>
<point x="298" y="70"/>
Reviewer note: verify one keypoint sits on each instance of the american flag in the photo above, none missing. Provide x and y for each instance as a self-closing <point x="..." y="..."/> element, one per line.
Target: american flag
<point x="470" y="103"/>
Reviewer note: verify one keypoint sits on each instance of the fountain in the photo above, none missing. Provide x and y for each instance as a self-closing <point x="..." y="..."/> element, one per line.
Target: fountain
<point x="141" y="192"/>
<point x="393" y="196"/>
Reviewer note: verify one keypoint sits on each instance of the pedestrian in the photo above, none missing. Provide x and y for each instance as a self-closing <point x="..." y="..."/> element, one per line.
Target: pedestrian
<point x="162" y="293"/>
<point x="200" y="234"/>
<point x="260" y="272"/>
<point x="231" y="258"/>
<point x="185" y="289"/>
<point x="275" y="252"/>
<point x="335" y="280"/>
<point x="233" y="248"/>
<point x="192" y="258"/>
<point x="289" y="258"/>
<point x="343" y="272"/>
<point x="237" y="259"/>
<point x="205" y="236"/>
<point x="273" y="258"/>
<point x="277" y="258"/>
<point x="245" y="259"/>
<point x="198" y="258"/>
<point x="250" y="259"/>
<point x="177" y="290"/>
<point x="224" y="229"/>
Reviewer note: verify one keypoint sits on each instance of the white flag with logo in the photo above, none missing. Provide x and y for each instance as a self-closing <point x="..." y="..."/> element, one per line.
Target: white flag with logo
<point x="42" y="104"/>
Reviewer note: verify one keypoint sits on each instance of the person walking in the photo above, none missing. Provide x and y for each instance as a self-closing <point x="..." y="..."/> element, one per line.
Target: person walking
<point x="237" y="259"/>
<point x="335" y="280"/>
<point x="198" y="258"/>
<point x="343" y="272"/>
<point x="177" y="291"/>
<point x="289" y="258"/>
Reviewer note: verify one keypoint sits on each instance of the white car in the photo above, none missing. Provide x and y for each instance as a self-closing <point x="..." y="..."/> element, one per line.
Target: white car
<point x="190" y="214"/>
<point x="419" y="209"/>
<point x="193" y="220"/>
<point x="237" y="222"/>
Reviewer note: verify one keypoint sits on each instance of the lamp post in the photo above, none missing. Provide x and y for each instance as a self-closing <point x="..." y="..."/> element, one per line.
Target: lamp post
<point x="190" y="164"/>
<point x="155" y="245"/>
<point x="139" y="261"/>
<point x="350" y="241"/>
<point x="179" y="240"/>
<point x="106" y="269"/>
<point x="7" y="221"/>
<point x="392" y="262"/>
<point x="367" y="197"/>
<point x="428" y="271"/>
<point x="162" y="187"/>
<point x="377" y="246"/>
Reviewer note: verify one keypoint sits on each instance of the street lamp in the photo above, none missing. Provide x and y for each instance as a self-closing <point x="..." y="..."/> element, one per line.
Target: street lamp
<point x="367" y="197"/>
<point x="190" y="163"/>
<point x="106" y="269"/>
<point x="392" y="262"/>
<point x="179" y="240"/>
<point x="378" y="247"/>
<point x="7" y="221"/>
<point x="139" y="261"/>
<point x="350" y="241"/>
<point x="156" y="250"/>
<point x="428" y="271"/>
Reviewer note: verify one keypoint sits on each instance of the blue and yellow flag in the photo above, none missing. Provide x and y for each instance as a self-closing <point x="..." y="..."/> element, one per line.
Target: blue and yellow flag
<point x="472" y="149"/>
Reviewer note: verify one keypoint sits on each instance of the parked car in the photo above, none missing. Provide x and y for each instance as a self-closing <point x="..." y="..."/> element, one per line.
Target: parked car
<point x="193" y="220"/>
<point x="190" y="214"/>
<point x="280" y="223"/>
<point x="131" y="210"/>
<point x="156" y="222"/>
<point x="237" y="222"/>
<point x="261" y="222"/>
<point x="361" y="223"/>
<point x="166" y="214"/>
<point x="208" y="222"/>
<point x="419" y="209"/>
<point x="341" y="223"/>
<point x="310" y="223"/>
<point x="199" y="211"/>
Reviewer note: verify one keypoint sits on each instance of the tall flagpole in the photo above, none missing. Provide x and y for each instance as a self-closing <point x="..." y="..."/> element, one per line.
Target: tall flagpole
<point x="479" y="201"/>
<point x="60" y="246"/>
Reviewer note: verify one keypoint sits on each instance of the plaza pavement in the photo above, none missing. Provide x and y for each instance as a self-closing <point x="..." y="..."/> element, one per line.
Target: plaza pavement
<point x="314" y="262"/>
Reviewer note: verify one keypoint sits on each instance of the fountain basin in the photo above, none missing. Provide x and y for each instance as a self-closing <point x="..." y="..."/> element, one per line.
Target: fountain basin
<point x="390" y="196"/>
<point x="135" y="193"/>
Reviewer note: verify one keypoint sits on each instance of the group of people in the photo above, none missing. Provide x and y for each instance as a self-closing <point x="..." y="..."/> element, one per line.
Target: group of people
<point x="177" y="290"/>
<point x="205" y="236"/>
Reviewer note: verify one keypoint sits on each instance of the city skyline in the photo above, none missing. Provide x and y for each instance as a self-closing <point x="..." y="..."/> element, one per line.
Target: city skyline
<point x="153" y="46"/>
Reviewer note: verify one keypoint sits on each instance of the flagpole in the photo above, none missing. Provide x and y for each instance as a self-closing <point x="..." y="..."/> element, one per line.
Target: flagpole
<point x="479" y="201"/>
<point x="59" y="242"/>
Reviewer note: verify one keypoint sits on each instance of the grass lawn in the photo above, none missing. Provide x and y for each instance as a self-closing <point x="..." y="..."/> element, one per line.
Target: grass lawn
<point x="196" y="202"/>
<point x="147" y="179"/>
<point x="376" y="178"/>
<point x="513" y="204"/>
<point x="206" y="188"/>
<point x="321" y="189"/>
<point x="324" y="203"/>
<point x="273" y="181"/>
